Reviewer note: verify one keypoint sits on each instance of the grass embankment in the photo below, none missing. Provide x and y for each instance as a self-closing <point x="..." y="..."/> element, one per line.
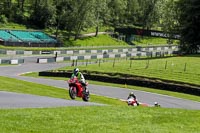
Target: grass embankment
<point x="91" y="119"/>
<point x="152" y="41"/>
<point x="183" y="69"/>
<point x="14" y="26"/>
<point x="19" y="86"/>
<point x="100" y="40"/>
<point x="118" y="119"/>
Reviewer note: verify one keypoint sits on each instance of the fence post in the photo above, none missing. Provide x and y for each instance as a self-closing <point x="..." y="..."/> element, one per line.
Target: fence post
<point x="185" y="67"/>
<point x="72" y="62"/>
<point x="166" y="65"/>
<point x="130" y="63"/>
<point x="86" y="62"/>
<point x="114" y="63"/>
<point x="147" y="64"/>
<point x="99" y="62"/>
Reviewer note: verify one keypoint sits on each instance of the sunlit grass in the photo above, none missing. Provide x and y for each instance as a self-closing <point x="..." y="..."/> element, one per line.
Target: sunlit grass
<point x="19" y="86"/>
<point x="151" y="41"/>
<point x="115" y="119"/>
<point x="183" y="69"/>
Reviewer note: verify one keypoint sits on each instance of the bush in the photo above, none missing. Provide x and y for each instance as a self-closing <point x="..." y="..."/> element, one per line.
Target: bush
<point x="3" y="19"/>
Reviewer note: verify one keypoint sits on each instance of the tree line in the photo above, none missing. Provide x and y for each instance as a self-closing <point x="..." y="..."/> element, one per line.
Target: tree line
<point x="74" y="16"/>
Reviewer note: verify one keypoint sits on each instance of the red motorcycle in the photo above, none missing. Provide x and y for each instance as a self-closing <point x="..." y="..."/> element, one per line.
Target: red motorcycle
<point x="133" y="102"/>
<point x="76" y="90"/>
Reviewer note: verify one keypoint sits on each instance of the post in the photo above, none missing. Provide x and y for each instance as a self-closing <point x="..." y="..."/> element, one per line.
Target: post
<point x="56" y="55"/>
<point x="185" y="67"/>
<point x="72" y="62"/>
<point x="166" y="65"/>
<point x="114" y="63"/>
<point x="130" y="63"/>
<point x="147" y="64"/>
<point x="86" y="62"/>
<point x="99" y="62"/>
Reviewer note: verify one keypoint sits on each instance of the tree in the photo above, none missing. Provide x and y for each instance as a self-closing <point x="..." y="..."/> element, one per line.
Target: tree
<point x="43" y="13"/>
<point x="99" y="12"/>
<point x="117" y="10"/>
<point x="189" y="25"/>
<point x="76" y="15"/>
<point x="131" y="12"/>
<point x="169" y="17"/>
<point x="147" y="16"/>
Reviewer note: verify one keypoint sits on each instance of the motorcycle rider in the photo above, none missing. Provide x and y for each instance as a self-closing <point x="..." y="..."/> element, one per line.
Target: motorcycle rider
<point x="156" y="104"/>
<point x="132" y="95"/>
<point x="77" y="74"/>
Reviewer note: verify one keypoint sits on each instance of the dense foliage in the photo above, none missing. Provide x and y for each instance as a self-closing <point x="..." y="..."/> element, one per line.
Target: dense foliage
<point x="190" y="25"/>
<point x="75" y="16"/>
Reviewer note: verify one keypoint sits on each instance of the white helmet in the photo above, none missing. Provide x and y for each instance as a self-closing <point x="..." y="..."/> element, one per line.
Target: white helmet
<point x="76" y="70"/>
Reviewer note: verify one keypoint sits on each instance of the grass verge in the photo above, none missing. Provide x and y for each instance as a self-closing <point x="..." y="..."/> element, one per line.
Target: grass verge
<point x="183" y="68"/>
<point x="14" y="85"/>
<point x="152" y="41"/>
<point x="112" y="119"/>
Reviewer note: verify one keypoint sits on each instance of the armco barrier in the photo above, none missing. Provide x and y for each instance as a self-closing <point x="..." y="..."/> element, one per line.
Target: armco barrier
<point x="102" y="51"/>
<point x="101" y="56"/>
<point x="11" y="61"/>
<point x="134" y="80"/>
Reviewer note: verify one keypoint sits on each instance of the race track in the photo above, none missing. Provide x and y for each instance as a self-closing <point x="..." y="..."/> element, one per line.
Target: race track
<point x="120" y="93"/>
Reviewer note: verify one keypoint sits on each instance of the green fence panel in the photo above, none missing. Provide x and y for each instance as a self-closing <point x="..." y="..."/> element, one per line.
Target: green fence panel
<point x="50" y="60"/>
<point x="5" y="61"/>
<point x="20" y="61"/>
<point x="81" y="57"/>
<point x="99" y="51"/>
<point x="2" y="51"/>
<point x="66" y="58"/>
<point x="20" y="52"/>
<point x="36" y="52"/>
<point x="88" y="51"/>
<point x="117" y="55"/>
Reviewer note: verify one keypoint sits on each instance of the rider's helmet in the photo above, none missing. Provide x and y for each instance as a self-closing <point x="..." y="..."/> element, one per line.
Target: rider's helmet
<point x="76" y="70"/>
<point x="131" y="94"/>
<point x="156" y="104"/>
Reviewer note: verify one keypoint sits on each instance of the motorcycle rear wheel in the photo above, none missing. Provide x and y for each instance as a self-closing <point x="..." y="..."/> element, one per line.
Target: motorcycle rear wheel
<point x="86" y="95"/>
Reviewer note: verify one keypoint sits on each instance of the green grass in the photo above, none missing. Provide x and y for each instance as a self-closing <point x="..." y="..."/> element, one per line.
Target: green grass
<point x="151" y="41"/>
<point x="100" y="40"/>
<point x="183" y="68"/>
<point x="112" y="119"/>
<point x="12" y="26"/>
<point x="91" y="119"/>
<point x="14" y="85"/>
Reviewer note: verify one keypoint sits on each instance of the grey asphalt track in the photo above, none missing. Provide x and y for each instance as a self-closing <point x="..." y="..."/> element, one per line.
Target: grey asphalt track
<point x="16" y="100"/>
<point x="119" y="93"/>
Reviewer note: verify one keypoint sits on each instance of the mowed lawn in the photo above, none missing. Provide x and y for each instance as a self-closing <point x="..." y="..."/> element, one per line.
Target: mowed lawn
<point x="94" y="119"/>
<point x="181" y="68"/>
<point x="152" y="41"/>
<point x="115" y="117"/>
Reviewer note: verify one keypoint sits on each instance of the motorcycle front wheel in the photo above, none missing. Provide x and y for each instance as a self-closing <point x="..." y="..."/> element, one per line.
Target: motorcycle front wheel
<point x="72" y="92"/>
